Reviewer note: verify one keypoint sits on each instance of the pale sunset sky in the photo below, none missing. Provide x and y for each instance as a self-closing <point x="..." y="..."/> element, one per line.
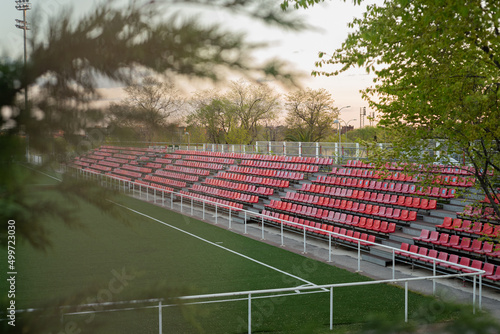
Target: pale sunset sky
<point x="299" y="48"/>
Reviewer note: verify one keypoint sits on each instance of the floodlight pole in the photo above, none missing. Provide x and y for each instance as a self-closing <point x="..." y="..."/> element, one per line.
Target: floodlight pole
<point x="24" y="5"/>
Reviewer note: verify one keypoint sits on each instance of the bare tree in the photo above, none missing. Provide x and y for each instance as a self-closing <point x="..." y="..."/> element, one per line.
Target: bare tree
<point x="234" y="117"/>
<point x="310" y="114"/>
<point x="149" y="107"/>
<point x="252" y="105"/>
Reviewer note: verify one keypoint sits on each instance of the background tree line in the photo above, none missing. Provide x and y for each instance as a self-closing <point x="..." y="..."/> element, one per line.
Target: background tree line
<point x="243" y="113"/>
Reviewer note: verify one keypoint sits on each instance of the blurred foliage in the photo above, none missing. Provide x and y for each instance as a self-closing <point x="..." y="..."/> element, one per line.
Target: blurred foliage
<point x="70" y="55"/>
<point x="437" y="68"/>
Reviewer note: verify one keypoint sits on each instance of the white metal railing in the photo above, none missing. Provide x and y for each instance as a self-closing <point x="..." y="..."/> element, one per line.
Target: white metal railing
<point x="133" y="187"/>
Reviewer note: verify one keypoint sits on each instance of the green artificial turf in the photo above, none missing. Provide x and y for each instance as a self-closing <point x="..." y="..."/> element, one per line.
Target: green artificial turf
<point x="110" y="260"/>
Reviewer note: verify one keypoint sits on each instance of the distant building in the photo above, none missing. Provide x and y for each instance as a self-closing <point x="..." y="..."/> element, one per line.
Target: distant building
<point x="346" y="129"/>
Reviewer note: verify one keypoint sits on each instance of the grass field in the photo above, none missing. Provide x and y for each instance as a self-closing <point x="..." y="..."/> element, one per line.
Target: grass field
<point x="111" y="260"/>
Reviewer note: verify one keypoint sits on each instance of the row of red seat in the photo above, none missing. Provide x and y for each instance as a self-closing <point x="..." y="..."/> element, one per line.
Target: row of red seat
<point x="209" y="153"/>
<point x="181" y="176"/>
<point x="462" y="244"/>
<point x="467" y="227"/>
<point x="487" y="213"/>
<point x="289" y="159"/>
<point x="253" y="179"/>
<point x="355" y="206"/>
<point x="81" y="163"/>
<point x="95" y="171"/>
<point x="208" y="199"/>
<point x="101" y="149"/>
<point x="101" y="167"/>
<point x="96" y="157"/>
<point x="119" y="177"/>
<point x="295" y="176"/>
<point x="125" y="156"/>
<point x="367" y="196"/>
<point x="386" y="186"/>
<point x="163" y="161"/>
<point x="492" y="272"/>
<point x="109" y="163"/>
<point x="243" y="187"/>
<point x="106" y="154"/>
<point x="196" y="164"/>
<point x="320" y="229"/>
<point x="231" y="195"/>
<point x="161" y="187"/>
<point x="172" y="156"/>
<point x="375" y="174"/>
<point x="117" y="160"/>
<point x="264" y="157"/>
<point x="92" y="161"/>
<point x="137" y="169"/>
<point x="135" y="150"/>
<point x="224" y="161"/>
<point x="153" y="165"/>
<point x="146" y="183"/>
<point x="442" y="169"/>
<point x="187" y="170"/>
<point x="446" y="180"/>
<point x="330" y="215"/>
<point x="496" y="198"/>
<point x="163" y="180"/>
<point x="303" y="168"/>
<point x="135" y="175"/>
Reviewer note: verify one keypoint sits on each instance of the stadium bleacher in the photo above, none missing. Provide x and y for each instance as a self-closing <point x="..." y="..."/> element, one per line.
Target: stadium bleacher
<point x="355" y="200"/>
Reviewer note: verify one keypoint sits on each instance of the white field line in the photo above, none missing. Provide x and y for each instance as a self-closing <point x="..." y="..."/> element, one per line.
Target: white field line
<point x="217" y="245"/>
<point x="36" y="170"/>
<point x="189" y="304"/>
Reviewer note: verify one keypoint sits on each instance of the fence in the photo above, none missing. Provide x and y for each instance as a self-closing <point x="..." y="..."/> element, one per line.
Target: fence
<point x="339" y="152"/>
<point x="187" y="205"/>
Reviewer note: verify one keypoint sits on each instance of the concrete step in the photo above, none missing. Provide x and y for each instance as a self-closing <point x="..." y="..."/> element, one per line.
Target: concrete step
<point x="441" y="213"/>
<point x="453" y="208"/>
<point x="257" y="207"/>
<point x="412" y="231"/>
<point x="435" y="220"/>
<point x="460" y="202"/>
<point x="391" y="243"/>
<point x="381" y="252"/>
<point x="422" y="225"/>
<point x="381" y="261"/>
<point x="400" y="237"/>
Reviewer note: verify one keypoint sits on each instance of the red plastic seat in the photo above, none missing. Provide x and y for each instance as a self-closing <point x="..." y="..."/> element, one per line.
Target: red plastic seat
<point x="421" y="251"/>
<point x="443" y="239"/>
<point x="489" y="269"/>
<point x="404" y="246"/>
<point x="432" y="253"/>
<point x="496" y="276"/>
<point x="442" y="256"/>
<point x="475" y="247"/>
<point x="464" y="261"/>
<point x="424" y="235"/>
<point x="476" y="264"/>
<point x="487" y="248"/>
<point x="453" y="258"/>
<point x="454" y="241"/>
<point x="464" y="243"/>
<point x="446" y="224"/>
